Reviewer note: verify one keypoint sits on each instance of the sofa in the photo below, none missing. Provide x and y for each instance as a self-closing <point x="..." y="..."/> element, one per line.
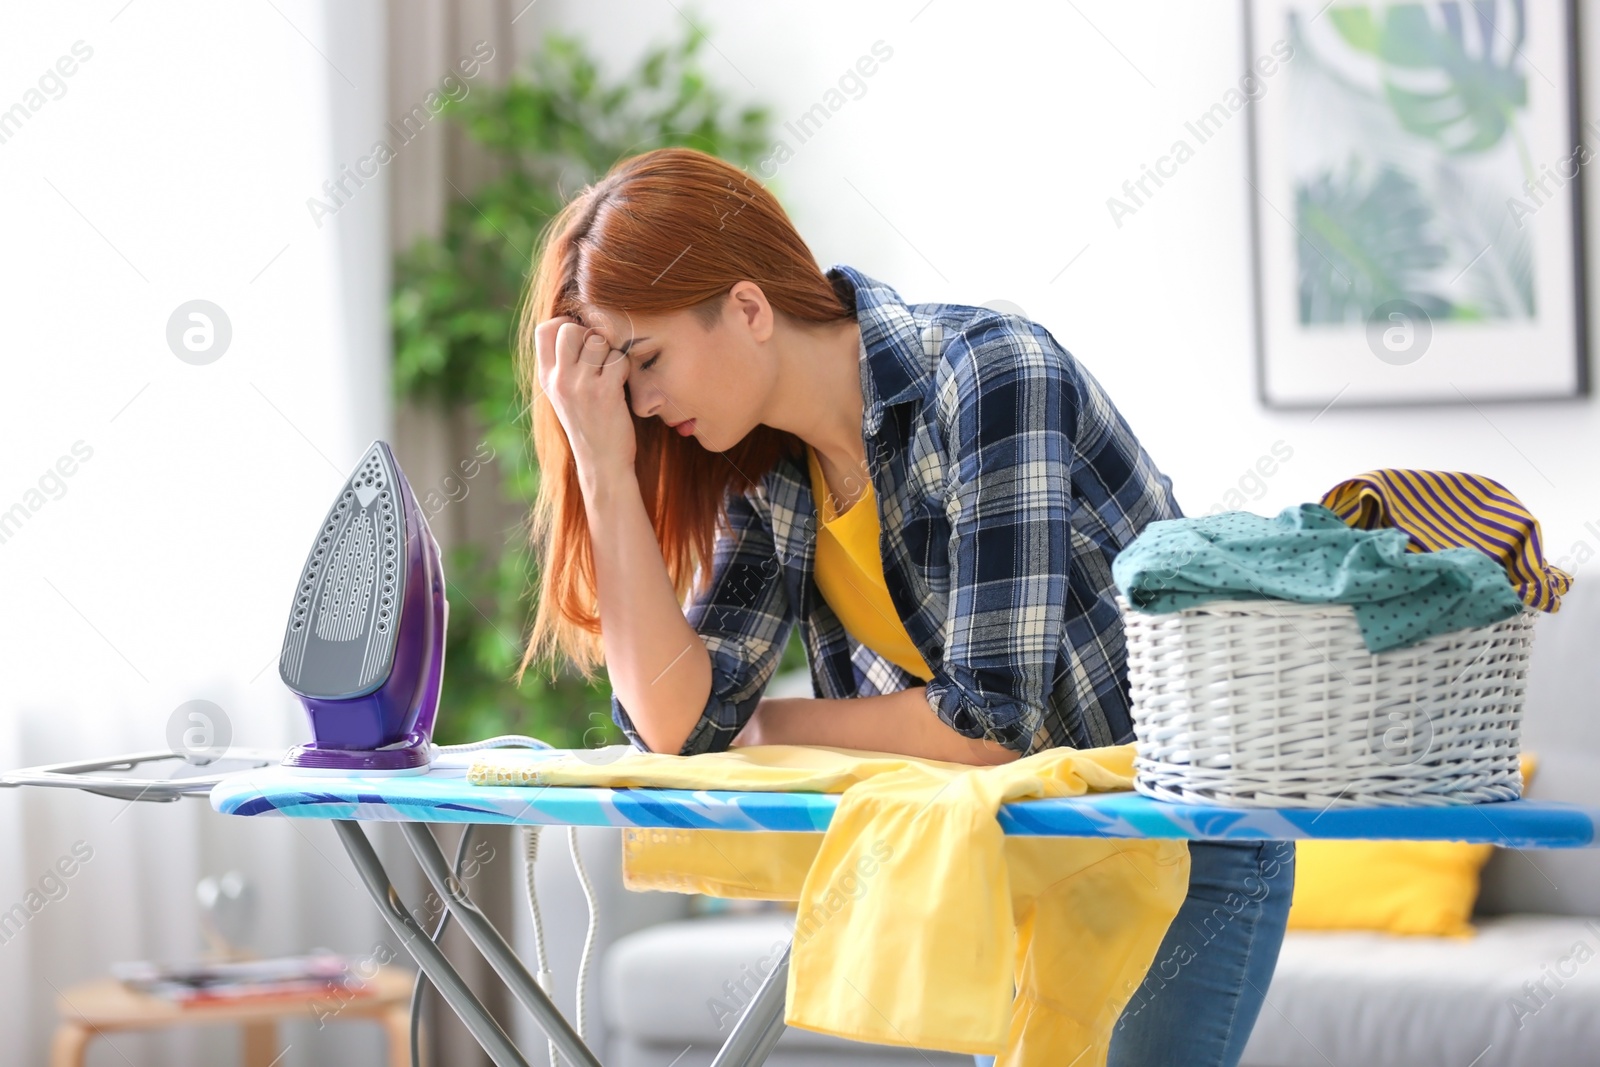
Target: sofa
<point x="666" y="983"/>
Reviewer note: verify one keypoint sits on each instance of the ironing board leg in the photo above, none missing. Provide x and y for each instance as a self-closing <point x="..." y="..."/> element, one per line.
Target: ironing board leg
<point x="751" y="1041"/>
<point x="428" y="955"/>
<point x="759" y="1028"/>
<point x="494" y="948"/>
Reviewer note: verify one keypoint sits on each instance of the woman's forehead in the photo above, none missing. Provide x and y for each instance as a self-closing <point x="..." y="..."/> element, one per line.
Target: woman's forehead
<point x="616" y="327"/>
<point x="619" y="327"/>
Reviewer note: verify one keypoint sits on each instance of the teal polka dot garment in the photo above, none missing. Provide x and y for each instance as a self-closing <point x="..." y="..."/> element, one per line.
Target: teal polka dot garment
<point x="1309" y="555"/>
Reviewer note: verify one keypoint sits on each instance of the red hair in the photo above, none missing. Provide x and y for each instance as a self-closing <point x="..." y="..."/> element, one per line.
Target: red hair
<point x="669" y="230"/>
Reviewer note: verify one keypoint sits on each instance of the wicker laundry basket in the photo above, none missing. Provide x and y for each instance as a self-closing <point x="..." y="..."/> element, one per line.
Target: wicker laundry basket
<point x="1271" y="703"/>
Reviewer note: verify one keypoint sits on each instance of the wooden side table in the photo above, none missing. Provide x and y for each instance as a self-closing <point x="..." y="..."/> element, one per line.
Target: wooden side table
<point x="107" y="1006"/>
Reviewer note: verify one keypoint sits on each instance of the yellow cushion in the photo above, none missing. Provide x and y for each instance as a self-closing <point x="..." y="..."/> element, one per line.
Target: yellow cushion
<point x="1397" y="887"/>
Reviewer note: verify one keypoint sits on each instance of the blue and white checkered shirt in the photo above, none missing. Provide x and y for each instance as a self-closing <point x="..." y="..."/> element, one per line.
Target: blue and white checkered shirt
<point x="1006" y="483"/>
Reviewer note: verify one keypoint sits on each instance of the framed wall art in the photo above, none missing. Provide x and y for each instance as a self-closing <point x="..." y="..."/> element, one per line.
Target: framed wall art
<point x="1417" y="222"/>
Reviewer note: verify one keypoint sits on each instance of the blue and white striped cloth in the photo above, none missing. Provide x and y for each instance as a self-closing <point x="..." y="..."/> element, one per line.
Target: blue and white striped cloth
<point x="1006" y="482"/>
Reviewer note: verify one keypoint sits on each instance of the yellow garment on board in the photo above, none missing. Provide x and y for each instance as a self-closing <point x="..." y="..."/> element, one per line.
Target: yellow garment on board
<point x="849" y="573"/>
<point x="916" y="913"/>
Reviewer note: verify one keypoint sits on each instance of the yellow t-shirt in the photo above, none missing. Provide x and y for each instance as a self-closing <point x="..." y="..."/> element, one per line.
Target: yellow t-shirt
<point x="849" y="572"/>
<point x="918" y="921"/>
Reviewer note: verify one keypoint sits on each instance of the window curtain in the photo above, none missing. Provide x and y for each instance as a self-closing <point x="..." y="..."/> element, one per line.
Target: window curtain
<point x="155" y="509"/>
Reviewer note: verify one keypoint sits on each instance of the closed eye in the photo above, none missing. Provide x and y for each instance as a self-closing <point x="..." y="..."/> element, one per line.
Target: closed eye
<point x="647" y="364"/>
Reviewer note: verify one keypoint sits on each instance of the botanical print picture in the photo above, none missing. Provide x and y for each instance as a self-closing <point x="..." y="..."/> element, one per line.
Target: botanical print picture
<point x="1415" y="199"/>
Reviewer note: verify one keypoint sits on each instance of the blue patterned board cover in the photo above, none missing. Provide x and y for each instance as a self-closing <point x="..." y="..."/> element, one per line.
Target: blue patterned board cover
<point x="443" y="795"/>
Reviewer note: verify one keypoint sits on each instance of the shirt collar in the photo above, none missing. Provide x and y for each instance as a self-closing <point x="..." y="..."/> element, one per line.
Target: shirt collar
<point x="891" y="342"/>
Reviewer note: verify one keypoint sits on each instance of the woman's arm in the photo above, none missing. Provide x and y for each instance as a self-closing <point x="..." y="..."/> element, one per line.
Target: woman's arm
<point x="902" y="723"/>
<point x="658" y="665"/>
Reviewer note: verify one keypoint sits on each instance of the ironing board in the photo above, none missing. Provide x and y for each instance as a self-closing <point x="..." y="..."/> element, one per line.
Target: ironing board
<point x="444" y="796"/>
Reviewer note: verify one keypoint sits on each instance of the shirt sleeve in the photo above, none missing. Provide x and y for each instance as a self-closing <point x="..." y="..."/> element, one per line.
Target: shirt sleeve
<point x="745" y="619"/>
<point x="1009" y="411"/>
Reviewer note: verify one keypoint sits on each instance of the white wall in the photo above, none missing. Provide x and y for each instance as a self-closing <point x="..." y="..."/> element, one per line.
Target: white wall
<point x="977" y="165"/>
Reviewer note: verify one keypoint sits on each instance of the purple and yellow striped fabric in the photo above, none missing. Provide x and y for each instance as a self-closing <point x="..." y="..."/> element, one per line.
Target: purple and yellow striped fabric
<point x="1452" y="509"/>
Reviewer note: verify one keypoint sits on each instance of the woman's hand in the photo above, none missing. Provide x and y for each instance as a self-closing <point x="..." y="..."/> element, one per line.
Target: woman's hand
<point x="583" y="377"/>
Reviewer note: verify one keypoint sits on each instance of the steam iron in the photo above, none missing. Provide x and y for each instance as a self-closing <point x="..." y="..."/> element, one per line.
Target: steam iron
<point x="364" y="645"/>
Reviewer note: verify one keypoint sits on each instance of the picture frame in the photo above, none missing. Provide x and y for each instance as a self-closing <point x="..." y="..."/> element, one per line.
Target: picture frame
<point x="1415" y="174"/>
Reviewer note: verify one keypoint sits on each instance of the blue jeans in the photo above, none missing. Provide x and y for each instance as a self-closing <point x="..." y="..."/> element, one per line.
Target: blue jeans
<point x="1200" y="998"/>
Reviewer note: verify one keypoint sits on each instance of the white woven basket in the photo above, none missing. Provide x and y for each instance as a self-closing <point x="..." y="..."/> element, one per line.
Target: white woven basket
<point x="1272" y="703"/>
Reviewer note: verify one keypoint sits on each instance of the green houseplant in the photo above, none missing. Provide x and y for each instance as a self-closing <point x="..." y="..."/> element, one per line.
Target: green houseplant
<point x="556" y="125"/>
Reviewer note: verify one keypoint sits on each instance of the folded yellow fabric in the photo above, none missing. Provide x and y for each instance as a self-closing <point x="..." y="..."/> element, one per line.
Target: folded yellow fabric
<point x="1425" y="888"/>
<point x="903" y="935"/>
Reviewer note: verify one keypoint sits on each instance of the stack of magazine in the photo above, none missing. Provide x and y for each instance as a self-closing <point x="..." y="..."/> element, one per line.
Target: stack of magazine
<point x="316" y="975"/>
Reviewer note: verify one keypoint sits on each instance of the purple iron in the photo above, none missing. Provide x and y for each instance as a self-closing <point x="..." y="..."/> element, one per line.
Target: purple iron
<point x="364" y="647"/>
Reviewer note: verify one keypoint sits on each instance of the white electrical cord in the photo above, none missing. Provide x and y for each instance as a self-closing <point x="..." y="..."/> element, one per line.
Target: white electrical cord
<point x="588" y="937"/>
<point x="543" y="975"/>
<point x="503" y="741"/>
<point x="530" y="840"/>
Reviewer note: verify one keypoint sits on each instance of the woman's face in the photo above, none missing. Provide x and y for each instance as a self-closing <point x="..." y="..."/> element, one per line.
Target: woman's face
<point x="712" y="383"/>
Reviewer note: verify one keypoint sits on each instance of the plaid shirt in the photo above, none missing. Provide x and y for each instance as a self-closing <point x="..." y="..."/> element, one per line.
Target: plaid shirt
<point x="1006" y="483"/>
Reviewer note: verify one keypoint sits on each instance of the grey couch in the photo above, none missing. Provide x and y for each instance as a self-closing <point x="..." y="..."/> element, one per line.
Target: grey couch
<point x="1524" y="992"/>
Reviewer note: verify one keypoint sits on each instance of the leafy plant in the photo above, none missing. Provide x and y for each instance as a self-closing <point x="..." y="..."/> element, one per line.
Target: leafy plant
<point x="555" y="126"/>
<point x="1363" y="243"/>
<point x="1428" y="98"/>
<point x="1439" y="87"/>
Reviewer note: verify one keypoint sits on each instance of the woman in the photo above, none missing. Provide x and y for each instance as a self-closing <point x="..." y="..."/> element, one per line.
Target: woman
<point x="933" y="493"/>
